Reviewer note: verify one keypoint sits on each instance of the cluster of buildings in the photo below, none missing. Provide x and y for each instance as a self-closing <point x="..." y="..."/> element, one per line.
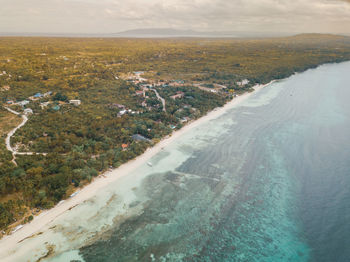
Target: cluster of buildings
<point x="123" y="109"/>
<point x="33" y="98"/>
<point x="23" y="103"/>
<point x="38" y="96"/>
<point x="146" y="85"/>
<point x="137" y="78"/>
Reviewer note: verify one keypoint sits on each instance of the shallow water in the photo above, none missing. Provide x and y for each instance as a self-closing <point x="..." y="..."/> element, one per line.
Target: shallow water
<point x="267" y="181"/>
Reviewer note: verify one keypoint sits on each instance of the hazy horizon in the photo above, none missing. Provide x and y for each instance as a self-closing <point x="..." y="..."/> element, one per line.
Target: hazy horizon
<point x="80" y="17"/>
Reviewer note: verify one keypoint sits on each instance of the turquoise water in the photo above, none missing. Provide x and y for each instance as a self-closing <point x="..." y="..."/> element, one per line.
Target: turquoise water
<point x="274" y="186"/>
<point x="267" y="181"/>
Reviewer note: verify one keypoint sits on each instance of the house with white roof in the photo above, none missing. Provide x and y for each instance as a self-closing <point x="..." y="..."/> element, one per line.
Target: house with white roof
<point x="75" y="102"/>
<point x="28" y="111"/>
<point x="23" y="103"/>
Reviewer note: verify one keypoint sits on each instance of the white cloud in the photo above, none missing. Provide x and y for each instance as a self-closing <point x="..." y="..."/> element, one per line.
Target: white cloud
<point x="108" y="16"/>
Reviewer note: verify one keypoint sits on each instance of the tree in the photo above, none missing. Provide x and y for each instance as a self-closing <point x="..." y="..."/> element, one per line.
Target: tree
<point x="59" y="97"/>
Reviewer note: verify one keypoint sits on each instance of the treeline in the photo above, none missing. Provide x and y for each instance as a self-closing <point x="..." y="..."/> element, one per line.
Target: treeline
<point x="82" y="141"/>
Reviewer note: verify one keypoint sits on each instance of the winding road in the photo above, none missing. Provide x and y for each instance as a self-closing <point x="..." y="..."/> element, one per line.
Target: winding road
<point x="159" y="98"/>
<point x="12" y="132"/>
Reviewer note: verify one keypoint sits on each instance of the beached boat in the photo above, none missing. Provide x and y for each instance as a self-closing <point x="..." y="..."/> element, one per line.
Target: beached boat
<point x="17" y="228"/>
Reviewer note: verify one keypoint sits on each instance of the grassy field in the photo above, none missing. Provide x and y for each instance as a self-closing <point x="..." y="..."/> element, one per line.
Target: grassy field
<point x="8" y="121"/>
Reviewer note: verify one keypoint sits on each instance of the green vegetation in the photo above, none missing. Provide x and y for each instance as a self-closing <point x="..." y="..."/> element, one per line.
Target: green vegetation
<point x="83" y="140"/>
<point x="8" y="121"/>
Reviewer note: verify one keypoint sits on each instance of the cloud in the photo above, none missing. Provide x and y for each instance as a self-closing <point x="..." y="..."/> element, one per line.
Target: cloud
<point x="108" y="16"/>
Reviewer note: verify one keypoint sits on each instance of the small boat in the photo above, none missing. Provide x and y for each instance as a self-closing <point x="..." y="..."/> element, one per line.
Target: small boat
<point x="75" y="193"/>
<point x="149" y="163"/>
<point x="17" y="228"/>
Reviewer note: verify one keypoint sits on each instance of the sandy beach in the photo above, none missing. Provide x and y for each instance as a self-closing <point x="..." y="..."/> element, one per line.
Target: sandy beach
<point x="8" y="244"/>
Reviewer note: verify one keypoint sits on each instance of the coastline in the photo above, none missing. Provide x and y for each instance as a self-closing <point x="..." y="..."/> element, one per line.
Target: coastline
<point x="8" y="243"/>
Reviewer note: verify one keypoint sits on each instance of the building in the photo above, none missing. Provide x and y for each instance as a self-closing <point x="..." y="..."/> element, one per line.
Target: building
<point x="139" y="92"/>
<point x="47" y="94"/>
<point x="23" y="103"/>
<point x="122" y="112"/>
<point x="185" y="119"/>
<point x="178" y="95"/>
<point x="44" y="104"/>
<point x="56" y="107"/>
<point x="125" y="146"/>
<point x="38" y="95"/>
<point x="28" y="111"/>
<point x="243" y="82"/>
<point x="75" y="102"/>
<point x="138" y="137"/>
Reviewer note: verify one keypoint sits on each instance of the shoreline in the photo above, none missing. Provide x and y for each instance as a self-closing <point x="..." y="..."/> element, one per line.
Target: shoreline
<point x="8" y="242"/>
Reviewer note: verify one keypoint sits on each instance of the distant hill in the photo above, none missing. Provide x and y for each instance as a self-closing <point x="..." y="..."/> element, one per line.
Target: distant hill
<point x="159" y="31"/>
<point x="169" y="32"/>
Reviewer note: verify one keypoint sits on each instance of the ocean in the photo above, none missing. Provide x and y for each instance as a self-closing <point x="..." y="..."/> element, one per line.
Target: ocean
<point x="267" y="181"/>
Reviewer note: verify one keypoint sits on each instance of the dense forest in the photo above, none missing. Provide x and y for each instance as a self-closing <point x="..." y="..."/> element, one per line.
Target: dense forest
<point x="118" y="116"/>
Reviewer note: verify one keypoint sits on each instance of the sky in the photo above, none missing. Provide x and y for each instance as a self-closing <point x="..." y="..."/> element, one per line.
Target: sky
<point x="112" y="16"/>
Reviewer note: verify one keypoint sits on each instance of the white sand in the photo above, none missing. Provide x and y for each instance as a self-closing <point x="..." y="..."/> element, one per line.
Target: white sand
<point x="8" y="243"/>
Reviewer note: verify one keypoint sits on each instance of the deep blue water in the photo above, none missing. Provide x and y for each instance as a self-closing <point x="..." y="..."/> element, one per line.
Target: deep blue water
<point x="272" y="185"/>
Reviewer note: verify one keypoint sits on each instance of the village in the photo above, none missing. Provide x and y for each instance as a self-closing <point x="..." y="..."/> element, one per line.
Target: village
<point x="25" y="104"/>
<point x="146" y="86"/>
<point x="152" y="96"/>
